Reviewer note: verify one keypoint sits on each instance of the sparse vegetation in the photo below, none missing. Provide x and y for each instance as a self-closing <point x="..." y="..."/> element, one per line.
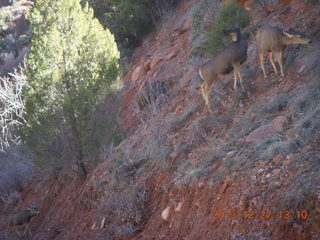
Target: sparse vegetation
<point x="175" y="123"/>
<point x="276" y="105"/>
<point x="126" y="203"/>
<point x="310" y="59"/>
<point x="279" y="148"/>
<point x="16" y="167"/>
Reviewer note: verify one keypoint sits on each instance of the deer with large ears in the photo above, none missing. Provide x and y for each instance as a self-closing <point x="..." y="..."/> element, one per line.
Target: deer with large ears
<point x="273" y="40"/>
<point x="227" y="60"/>
<point x="23" y="218"/>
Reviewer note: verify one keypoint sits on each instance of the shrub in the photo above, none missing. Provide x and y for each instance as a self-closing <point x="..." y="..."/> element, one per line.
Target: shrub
<point x="226" y="19"/>
<point x="12" y="108"/>
<point x="72" y="68"/>
<point x="5" y="19"/>
<point x="16" y="168"/>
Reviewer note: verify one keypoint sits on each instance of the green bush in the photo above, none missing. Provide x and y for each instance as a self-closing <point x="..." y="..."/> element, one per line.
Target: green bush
<point x="72" y="67"/>
<point x="5" y="19"/>
<point x="226" y="19"/>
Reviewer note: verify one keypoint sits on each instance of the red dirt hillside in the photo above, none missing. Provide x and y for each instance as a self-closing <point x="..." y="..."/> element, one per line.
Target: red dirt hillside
<point x="250" y="170"/>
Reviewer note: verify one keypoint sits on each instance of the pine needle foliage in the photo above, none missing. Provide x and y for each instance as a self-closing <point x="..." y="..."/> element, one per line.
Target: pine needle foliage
<point x="226" y="19"/>
<point x="72" y="67"/>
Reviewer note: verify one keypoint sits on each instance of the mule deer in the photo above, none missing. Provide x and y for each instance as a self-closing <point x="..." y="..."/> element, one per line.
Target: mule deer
<point x="273" y="40"/>
<point x="229" y="59"/>
<point x="23" y="218"/>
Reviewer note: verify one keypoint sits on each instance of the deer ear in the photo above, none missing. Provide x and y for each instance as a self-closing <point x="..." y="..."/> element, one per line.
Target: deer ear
<point x="287" y="34"/>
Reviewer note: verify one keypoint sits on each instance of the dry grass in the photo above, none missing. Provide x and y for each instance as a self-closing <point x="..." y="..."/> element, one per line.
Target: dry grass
<point x="309" y="58"/>
<point x="176" y="122"/>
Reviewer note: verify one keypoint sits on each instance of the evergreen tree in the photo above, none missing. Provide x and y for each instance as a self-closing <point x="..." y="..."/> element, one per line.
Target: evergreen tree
<point x="72" y="66"/>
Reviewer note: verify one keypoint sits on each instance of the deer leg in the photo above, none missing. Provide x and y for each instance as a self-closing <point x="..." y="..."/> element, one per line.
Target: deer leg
<point x="262" y="63"/>
<point x="235" y="77"/>
<point x="236" y="68"/>
<point x="280" y="60"/>
<point x="17" y="231"/>
<point x="205" y="94"/>
<point x="272" y="62"/>
<point x="241" y="81"/>
<point x="209" y="88"/>
<point x="239" y="74"/>
<point x="29" y="230"/>
<point x="203" y="90"/>
<point x="25" y="229"/>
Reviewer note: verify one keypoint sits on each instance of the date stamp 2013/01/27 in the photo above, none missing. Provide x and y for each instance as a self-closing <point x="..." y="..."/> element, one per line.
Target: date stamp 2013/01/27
<point x="233" y="214"/>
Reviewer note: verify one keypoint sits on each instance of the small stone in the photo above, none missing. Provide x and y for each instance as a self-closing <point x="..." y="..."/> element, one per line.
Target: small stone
<point x="93" y="226"/>
<point x="305" y="149"/>
<point x="171" y="55"/>
<point x="178" y="207"/>
<point x="224" y="186"/>
<point x="268" y="175"/>
<point x="136" y="73"/>
<point x="290" y="158"/>
<point x="173" y="155"/>
<point x="201" y="185"/>
<point x="254" y="178"/>
<point x="276" y="172"/>
<point x="240" y="141"/>
<point x="277" y="159"/>
<point x="147" y="66"/>
<point x="260" y="170"/>
<point x="277" y="184"/>
<point x="155" y="60"/>
<point x="254" y="202"/>
<point x="165" y="214"/>
<point x="230" y="154"/>
<point x="102" y="222"/>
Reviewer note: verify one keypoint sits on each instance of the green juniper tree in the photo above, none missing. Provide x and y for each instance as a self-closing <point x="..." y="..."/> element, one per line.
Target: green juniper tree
<point x="224" y="20"/>
<point x="72" y="67"/>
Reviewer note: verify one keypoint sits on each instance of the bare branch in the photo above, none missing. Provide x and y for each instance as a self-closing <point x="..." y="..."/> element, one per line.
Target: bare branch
<point x="11" y="108"/>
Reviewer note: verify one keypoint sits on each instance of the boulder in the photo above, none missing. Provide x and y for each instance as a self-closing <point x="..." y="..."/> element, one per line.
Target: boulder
<point x="137" y="73"/>
<point x="156" y="59"/>
<point x="267" y="130"/>
<point x="183" y="24"/>
<point x="165" y="214"/>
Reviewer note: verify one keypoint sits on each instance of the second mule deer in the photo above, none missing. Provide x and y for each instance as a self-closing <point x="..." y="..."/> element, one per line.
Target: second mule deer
<point x="227" y="60"/>
<point x="23" y="218"/>
<point x="273" y="40"/>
